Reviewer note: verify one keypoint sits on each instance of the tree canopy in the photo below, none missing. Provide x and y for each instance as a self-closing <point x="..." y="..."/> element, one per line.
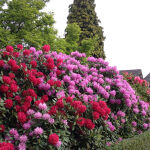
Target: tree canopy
<point x="24" y="22"/>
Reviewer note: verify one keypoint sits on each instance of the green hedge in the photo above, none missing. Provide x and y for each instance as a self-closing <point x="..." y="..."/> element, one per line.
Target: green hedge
<point x="139" y="142"/>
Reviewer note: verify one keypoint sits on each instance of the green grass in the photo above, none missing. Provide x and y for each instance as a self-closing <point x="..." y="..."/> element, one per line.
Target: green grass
<point x="139" y="142"/>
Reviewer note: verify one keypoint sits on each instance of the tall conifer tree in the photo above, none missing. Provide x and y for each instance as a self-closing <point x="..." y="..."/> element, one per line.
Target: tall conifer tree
<point x="83" y="13"/>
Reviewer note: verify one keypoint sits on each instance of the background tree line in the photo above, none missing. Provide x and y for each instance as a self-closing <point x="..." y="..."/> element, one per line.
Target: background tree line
<point x="23" y="21"/>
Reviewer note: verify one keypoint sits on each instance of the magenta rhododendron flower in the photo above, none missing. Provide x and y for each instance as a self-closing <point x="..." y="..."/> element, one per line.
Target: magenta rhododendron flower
<point x="23" y="139"/>
<point x="38" y="131"/>
<point x="134" y="124"/>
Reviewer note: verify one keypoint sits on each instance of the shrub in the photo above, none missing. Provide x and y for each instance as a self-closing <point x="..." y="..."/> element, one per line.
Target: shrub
<point x="141" y="142"/>
<point x="51" y="100"/>
<point x="140" y="86"/>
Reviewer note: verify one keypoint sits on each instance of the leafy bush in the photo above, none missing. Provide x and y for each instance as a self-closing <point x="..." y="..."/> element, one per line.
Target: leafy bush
<point x="140" y="86"/>
<point x="24" y="22"/>
<point x="141" y="142"/>
<point x="51" y="100"/>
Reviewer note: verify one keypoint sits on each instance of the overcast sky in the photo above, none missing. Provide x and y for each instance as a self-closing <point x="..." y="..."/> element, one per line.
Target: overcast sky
<point x="126" y="26"/>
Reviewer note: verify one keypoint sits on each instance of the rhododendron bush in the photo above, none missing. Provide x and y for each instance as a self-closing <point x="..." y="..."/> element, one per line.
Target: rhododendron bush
<point x="57" y="101"/>
<point x="140" y="86"/>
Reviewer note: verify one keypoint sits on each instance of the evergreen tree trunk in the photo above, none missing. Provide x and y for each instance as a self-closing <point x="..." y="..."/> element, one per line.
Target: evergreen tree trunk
<point x="83" y="13"/>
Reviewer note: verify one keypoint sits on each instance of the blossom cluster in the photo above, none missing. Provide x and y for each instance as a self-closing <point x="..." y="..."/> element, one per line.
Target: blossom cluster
<point x="6" y="146"/>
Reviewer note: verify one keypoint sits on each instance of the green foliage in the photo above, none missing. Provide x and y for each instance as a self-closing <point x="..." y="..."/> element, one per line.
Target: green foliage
<point x="60" y="45"/>
<point x="23" y="22"/>
<point x="139" y="142"/>
<point x="83" y="13"/>
<point x="87" y="46"/>
<point x="6" y="37"/>
<point x="72" y="33"/>
<point x="72" y="37"/>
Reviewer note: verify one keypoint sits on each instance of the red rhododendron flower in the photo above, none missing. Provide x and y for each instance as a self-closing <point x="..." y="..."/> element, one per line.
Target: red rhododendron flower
<point x="38" y="102"/>
<point x="69" y="99"/>
<point x="20" y="46"/>
<point x="21" y="117"/>
<point x="8" y="103"/>
<point x="33" y="80"/>
<point x="13" y="88"/>
<point x="95" y="106"/>
<point x="46" y="48"/>
<point x="2" y="128"/>
<point x="4" y="88"/>
<point x="30" y="92"/>
<point x="26" y="52"/>
<point x="9" y="94"/>
<point x="53" y="110"/>
<point x="18" y="108"/>
<point x="53" y="139"/>
<point x="28" y="99"/>
<point x="58" y="72"/>
<point x="6" y="146"/>
<point x="25" y="106"/>
<point x="102" y="104"/>
<point x="76" y="104"/>
<point x="16" y="54"/>
<point x="23" y="65"/>
<point x="45" y="98"/>
<point x="11" y="75"/>
<point x="81" y="109"/>
<point x="50" y="60"/>
<point x="13" y="82"/>
<point x="12" y="62"/>
<point x="57" y="83"/>
<point x="50" y="65"/>
<point x="38" y="81"/>
<point x="9" y="48"/>
<point x="95" y="115"/>
<point x="60" y="103"/>
<point x="6" y="54"/>
<point x="59" y="61"/>
<point x="18" y="98"/>
<point x="2" y="63"/>
<point x="102" y="112"/>
<point x="80" y="121"/>
<point x="6" y="79"/>
<point x="15" y="68"/>
<point x="105" y="117"/>
<point x="51" y="82"/>
<point x="107" y="110"/>
<point x="89" y="124"/>
<point x="33" y="63"/>
<point x="39" y="74"/>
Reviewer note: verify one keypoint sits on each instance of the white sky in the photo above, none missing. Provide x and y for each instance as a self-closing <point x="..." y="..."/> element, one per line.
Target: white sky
<point x="126" y="26"/>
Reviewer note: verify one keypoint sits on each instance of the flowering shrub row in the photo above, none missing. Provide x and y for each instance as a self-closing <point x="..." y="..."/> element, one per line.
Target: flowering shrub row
<point x="51" y="100"/>
<point x="139" y="85"/>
